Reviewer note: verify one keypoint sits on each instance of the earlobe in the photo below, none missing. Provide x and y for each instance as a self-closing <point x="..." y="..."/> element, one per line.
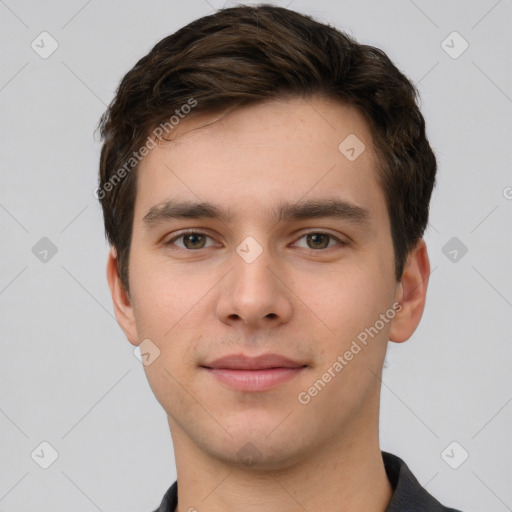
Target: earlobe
<point x="411" y="294"/>
<point x="121" y="299"/>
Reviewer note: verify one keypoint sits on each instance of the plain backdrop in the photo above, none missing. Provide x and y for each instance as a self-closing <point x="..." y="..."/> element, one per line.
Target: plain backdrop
<point x="69" y="378"/>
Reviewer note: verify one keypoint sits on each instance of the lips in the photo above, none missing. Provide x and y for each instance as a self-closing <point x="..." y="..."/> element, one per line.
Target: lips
<point x="252" y="374"/>
<point x="263" y="362"/>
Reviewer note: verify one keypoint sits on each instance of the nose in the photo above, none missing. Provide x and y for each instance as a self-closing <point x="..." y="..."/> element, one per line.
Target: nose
<point x="255" y="294"/>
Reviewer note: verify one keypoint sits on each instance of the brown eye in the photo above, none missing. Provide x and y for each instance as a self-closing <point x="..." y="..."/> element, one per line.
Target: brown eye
<point x="191" y="240"/>
<point x="194" y="241"/>
<point x="317" y="240"/>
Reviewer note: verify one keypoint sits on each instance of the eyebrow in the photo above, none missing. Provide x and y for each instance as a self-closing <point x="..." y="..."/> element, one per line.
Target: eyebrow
<point x="320" y="208"/>
<point x="169" y="210"/>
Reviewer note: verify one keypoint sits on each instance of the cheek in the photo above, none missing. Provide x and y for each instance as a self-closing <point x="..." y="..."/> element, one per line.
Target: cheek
<point x="161" y="296"/>
<point x="345" y="301"/>
<point x="171" y="310"/>
<point x="167" y="307"/>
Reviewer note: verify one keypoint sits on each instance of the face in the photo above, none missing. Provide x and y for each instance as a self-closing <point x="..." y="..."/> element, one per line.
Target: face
<point x="256" y="235"/>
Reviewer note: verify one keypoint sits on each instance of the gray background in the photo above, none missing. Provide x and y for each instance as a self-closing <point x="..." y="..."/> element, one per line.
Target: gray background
<point x="68" y="376"/>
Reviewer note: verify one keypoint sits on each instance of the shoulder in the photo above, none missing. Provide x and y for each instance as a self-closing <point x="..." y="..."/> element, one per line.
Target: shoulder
<point x="408" y="494"/>
<point x="170" y="499"/>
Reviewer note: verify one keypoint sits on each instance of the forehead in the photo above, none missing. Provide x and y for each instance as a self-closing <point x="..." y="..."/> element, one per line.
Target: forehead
<point x="254" y="158"/>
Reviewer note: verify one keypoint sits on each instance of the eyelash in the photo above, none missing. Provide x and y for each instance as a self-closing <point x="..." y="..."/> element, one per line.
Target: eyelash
<point x="340" y="242"/>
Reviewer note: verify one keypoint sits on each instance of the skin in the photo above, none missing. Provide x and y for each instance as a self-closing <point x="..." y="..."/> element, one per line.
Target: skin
<point x="297" y="300"/>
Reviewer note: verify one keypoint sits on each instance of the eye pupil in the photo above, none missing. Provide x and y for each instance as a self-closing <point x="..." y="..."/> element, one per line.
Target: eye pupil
<point x="194" y="241"/>
<point x="318" y="240"/>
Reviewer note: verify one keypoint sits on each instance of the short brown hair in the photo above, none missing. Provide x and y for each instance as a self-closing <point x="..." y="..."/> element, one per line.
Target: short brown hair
<point x="248" y="54"/>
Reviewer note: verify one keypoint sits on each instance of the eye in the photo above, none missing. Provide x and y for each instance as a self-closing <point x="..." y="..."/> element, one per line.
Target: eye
<point x="191" y="240"/>
<point x="319" y="240"/>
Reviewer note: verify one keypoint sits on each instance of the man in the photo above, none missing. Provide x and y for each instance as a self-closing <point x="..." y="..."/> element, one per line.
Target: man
<point x="265" y="182"/>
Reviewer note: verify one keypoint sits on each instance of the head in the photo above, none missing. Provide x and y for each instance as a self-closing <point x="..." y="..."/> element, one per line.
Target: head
<point x="249" y="128"/>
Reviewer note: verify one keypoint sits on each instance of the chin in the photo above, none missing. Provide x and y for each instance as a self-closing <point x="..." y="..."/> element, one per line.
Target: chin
<point x="255" y="450"/>
<point x="254" y="457"/>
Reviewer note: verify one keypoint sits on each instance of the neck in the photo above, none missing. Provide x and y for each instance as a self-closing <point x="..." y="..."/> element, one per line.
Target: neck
<point x="343" y="477"/>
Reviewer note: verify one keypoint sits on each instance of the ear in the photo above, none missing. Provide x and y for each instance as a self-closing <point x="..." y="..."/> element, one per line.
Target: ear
<point x="121" y="299"/>
<point x="411" y="294"/>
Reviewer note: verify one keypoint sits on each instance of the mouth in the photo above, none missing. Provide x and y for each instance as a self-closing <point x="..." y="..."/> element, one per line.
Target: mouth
<point x="253" y="374"/>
